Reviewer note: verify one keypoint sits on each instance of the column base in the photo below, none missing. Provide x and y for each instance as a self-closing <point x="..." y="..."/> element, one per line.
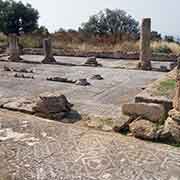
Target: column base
<point x="15" y="58"/>
<point x="146" y="66"/>
<point x="48" y="60"/>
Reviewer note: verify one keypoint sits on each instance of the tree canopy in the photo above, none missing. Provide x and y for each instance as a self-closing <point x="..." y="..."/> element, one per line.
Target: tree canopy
<point x="111" y="22"/>
<point x="15" y="17"/>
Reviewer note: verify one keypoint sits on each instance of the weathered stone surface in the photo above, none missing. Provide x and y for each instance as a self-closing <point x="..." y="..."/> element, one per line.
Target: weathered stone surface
<point x="121" y="124"/>
<point x="175" y="115"/>
<point x="150" y="111"/>
<point x="97" y="77"/>
<point x="111" y="55"/>
<point x="172" y="124"/>
<point x="145" y="50"/>
<point x="94" y="123"/>
<point x="164" y="68"/>
<point x="22" y="70"/>
<point x="92" y="62"/>
<point x="102" y="98"/>
<point x="34" y="148"/>
<point x="172" y="65"/>
<point x="163" y="135"/>
<point x="23" y="76"/>
<point x="173" y="127"/>
<point x="14" y="54"/>
<point x="60" y="79"/>
<point x="107" y="128"/>
<point x="49" y="59"/>
<point x="143" y="129"/>
<point x="6" y="68"/>
<point x="153" y="93"/>
<point x="176" y="100"/>
<point x="82" y="82"/>
<point x="53" y="106"/>
<point x="19" y="104"/>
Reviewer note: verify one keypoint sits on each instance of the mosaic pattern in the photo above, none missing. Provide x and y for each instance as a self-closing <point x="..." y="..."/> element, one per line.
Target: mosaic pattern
<point x="33" y="148"/>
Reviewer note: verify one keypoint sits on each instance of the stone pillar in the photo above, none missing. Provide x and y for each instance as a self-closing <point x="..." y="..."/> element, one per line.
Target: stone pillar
<point x="14" y="52"/>
<point x="47" y="46"/>
<point x="176" y="101"/>
<point x="145" y="50"/>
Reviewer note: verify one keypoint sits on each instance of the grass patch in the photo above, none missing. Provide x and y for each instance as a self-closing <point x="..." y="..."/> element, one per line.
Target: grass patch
<point x="176" y="145"/>
<point x="30" y="42"/>
<point x="99" y="123"/>
<point x="165" y="47"/>
<point x="162" y="49"/>
<point x="166" y="87"/>
<point x="108" y="122"/>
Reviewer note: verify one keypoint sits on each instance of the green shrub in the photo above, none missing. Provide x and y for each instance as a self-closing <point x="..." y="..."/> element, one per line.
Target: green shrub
<point x="165" y="87"/>
<point x="30" y="42"/>
<point x="162" y="49"/>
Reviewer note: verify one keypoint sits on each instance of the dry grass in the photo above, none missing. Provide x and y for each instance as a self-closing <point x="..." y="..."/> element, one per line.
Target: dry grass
<point x="30" y="42"/>
<point x="160" y="45"/>
<point x="75" y="44"/>
<point x="126" y="46"/>
<point x="86" y="47"/>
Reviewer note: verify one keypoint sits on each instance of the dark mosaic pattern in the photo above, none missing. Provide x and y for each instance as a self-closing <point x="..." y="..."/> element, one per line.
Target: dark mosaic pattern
<point x="33" y="148"/>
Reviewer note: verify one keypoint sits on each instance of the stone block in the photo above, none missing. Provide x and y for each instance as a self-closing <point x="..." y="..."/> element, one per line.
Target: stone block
<point x="150" y="111"/>
<point x="143" y="129"/>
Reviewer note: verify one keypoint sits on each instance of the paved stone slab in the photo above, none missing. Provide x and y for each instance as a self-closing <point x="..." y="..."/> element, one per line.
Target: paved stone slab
<point x="102" y="98"/>
<point x="32" y="148"/>
<point x="108" y="63"/>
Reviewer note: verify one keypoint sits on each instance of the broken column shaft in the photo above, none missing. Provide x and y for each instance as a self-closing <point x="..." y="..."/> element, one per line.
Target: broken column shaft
<point x="14" y="52"/>
<point x="145" y="50"/>
<point x="47" y="46"/>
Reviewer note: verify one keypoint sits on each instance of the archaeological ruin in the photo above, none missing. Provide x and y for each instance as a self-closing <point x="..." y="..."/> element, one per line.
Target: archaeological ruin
<point x="145" y="50"/>
<point x="14" y="51"/>
<point x="47" y="46"/>
<point x="89" y="117"/>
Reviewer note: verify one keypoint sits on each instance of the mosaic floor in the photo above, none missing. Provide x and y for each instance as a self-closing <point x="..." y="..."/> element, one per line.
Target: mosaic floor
<point x="33" y="148"/>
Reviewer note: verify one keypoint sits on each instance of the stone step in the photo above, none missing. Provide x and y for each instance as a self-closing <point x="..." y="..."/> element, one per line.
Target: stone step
<point x="150" y="111"/>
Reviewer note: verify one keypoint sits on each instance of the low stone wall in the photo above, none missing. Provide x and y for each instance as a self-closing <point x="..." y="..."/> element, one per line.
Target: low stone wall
<point x="154" y="94"/>
<point x="110" y="55"/>
<point x="149" y="112"/>
<point x="164" y="57"/>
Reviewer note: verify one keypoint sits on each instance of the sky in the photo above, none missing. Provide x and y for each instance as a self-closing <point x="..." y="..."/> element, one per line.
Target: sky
<point x="69" y="14"/>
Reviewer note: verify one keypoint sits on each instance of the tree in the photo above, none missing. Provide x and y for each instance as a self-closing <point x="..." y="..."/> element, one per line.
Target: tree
<point x="169" y="38"/>
<point x="61" y="30"/>
<point x="71" y="31"/>
<point x="155" y="36"/>
<point x="41" y="30"/>
<point x="110" y="22"/>
<point x="15" y="19"/>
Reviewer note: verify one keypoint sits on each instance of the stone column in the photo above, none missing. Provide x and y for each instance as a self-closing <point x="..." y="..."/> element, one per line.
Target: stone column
<point x="176" y="101"/>
<point x="145" y="50"/>
<point x="14" y="52"/>
<point x="47" y="46"/>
